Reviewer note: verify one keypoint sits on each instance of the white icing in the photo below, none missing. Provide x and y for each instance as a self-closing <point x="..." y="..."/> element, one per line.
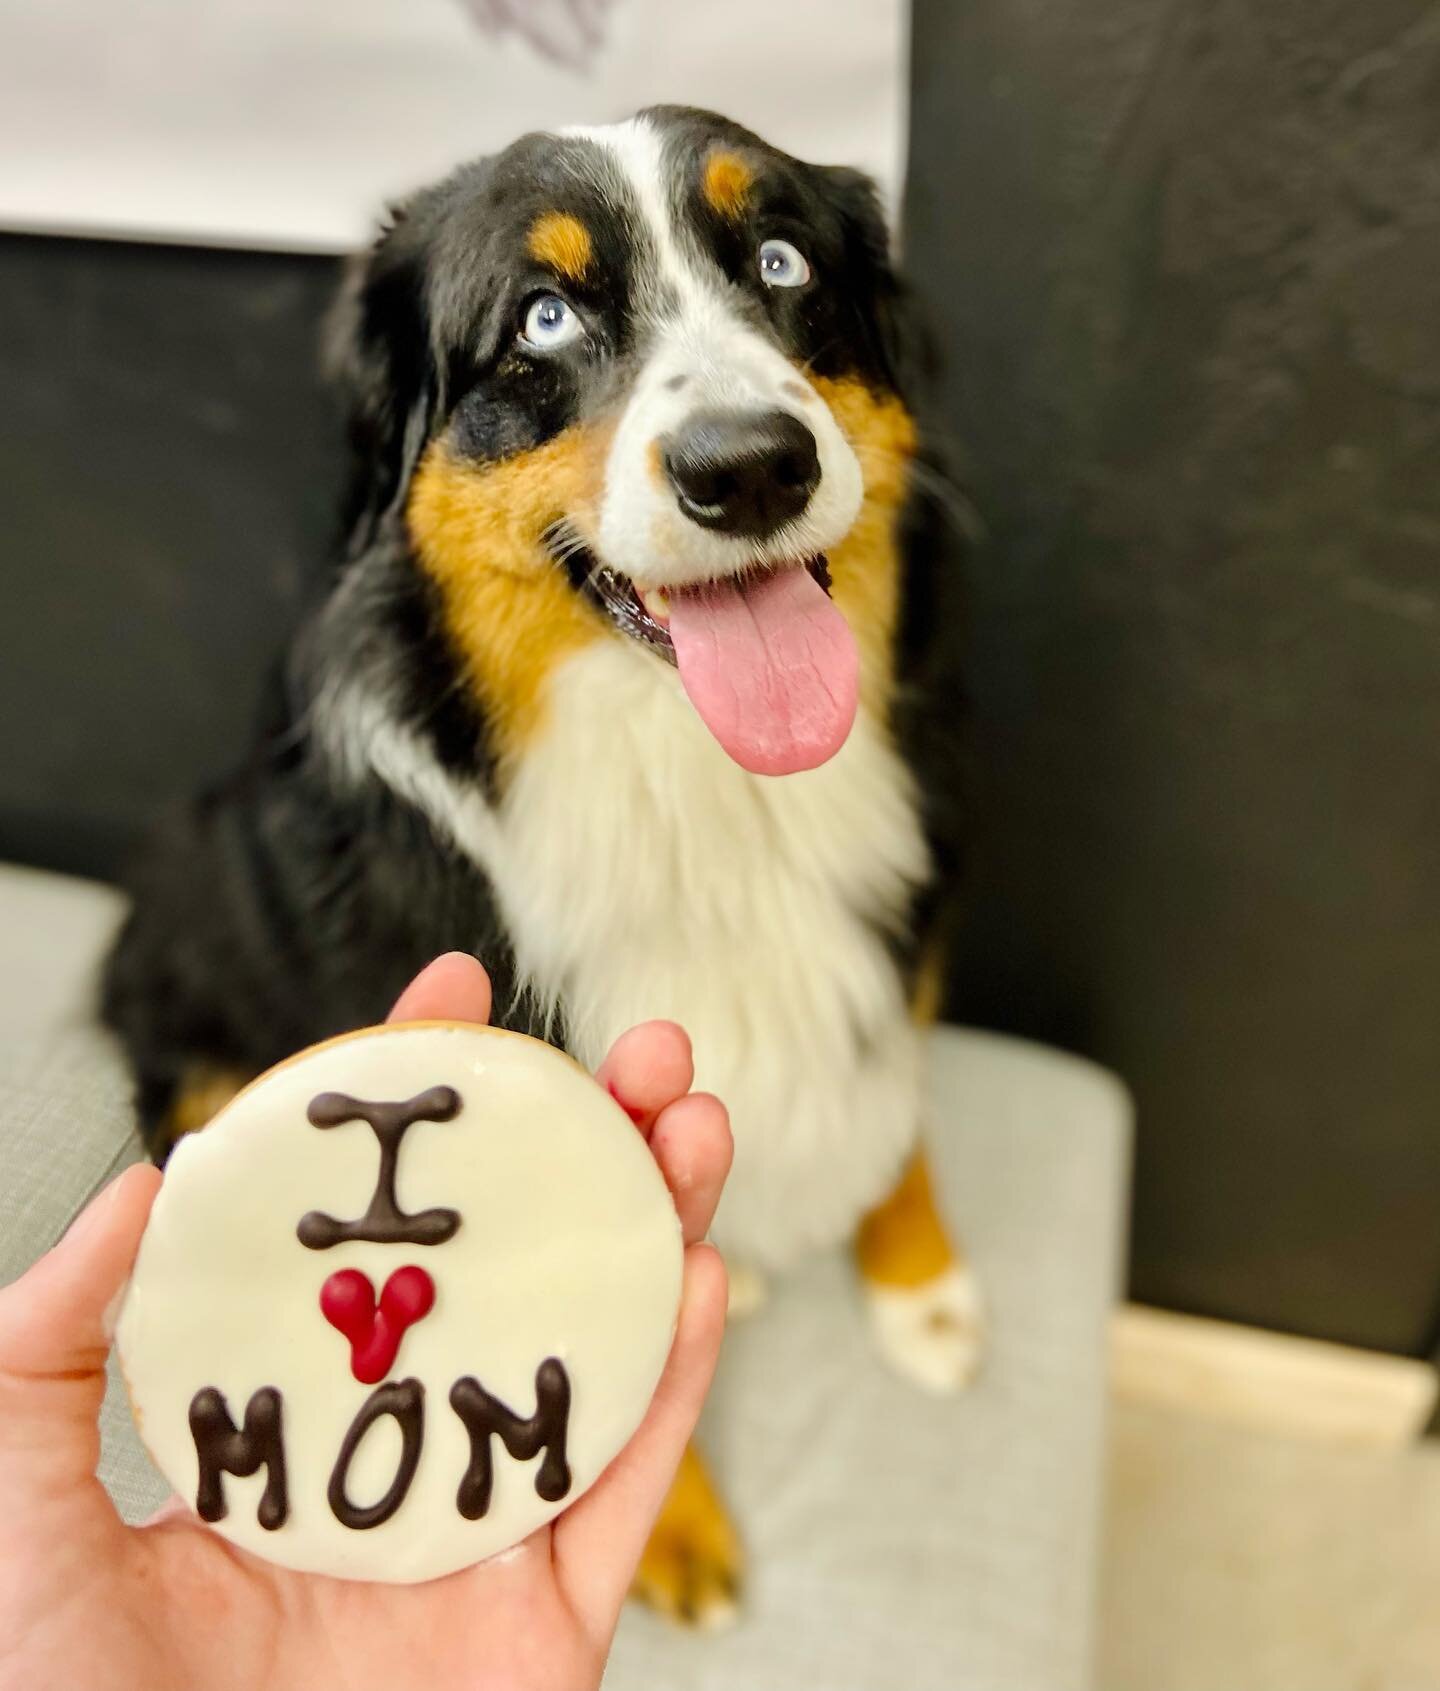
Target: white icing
<point x="568" y="1246"/>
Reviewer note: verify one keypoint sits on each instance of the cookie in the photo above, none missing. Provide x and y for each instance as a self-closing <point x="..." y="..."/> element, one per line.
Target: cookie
<point x="401" y="1302"/>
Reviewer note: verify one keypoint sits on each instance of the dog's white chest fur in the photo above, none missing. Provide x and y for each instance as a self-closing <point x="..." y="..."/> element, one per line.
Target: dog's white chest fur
<point x="643" y="874"/>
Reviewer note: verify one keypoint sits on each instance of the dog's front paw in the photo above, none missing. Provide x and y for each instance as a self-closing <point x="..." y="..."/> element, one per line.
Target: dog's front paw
<point x="932" y="1334"/>
<point x="692" y="1582"/>
<point x="692" y="1566"/>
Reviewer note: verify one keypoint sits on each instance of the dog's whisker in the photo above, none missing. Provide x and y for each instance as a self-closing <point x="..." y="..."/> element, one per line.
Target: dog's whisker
<point x="942" y="488"/>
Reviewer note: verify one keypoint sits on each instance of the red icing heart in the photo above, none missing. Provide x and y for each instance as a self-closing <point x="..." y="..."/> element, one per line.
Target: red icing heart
<point x="347" y="1301"/>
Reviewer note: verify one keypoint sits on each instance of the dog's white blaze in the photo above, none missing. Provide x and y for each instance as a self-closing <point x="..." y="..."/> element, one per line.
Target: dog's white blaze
<point x="723" y="360"/>
<point x="636" y="146"/>
<point x="641" y="873"/>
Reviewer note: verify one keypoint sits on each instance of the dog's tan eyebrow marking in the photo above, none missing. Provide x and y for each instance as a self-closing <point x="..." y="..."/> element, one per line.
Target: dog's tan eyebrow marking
<point x="727" y="183"/>
<point x="561" y="240"/>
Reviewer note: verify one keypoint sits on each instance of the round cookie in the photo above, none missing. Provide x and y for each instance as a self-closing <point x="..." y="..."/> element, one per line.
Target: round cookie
<point x="401" y="1302"/>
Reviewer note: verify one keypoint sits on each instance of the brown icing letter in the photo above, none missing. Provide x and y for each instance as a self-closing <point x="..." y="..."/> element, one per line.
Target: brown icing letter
<point x="224" y="1449"/>
<point x="384" y="1223"/>
<point x="484" y="1415"/>
<point x="405" y="1400"/>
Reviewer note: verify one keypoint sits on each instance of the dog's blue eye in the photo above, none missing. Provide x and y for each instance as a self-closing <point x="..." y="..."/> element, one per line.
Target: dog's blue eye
<point x="550" y="322"/>
<point x="783" y="266"/>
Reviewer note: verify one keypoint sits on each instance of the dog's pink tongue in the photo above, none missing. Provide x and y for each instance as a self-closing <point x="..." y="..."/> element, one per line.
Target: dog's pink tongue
<point x="771" y="666"/>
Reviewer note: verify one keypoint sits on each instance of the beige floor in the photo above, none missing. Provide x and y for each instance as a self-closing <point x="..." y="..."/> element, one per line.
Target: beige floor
<point x="1244" y="1561"/>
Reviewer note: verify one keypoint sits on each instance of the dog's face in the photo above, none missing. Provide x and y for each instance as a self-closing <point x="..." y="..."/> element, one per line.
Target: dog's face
<point x="637" y="383"/>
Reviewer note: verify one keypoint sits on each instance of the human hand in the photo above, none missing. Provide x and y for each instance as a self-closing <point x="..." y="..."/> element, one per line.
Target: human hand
<point x="171" y="1606"/>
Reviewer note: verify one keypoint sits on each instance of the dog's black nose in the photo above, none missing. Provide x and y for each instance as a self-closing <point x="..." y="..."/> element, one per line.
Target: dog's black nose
<point x="742" y="472"/>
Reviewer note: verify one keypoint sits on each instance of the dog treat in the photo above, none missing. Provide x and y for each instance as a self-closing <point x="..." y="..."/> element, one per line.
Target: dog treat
<point x="401" y="1302"/>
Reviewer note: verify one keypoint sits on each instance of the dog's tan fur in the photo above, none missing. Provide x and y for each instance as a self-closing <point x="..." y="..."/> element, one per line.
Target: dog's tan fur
<point x="561" y="240"/>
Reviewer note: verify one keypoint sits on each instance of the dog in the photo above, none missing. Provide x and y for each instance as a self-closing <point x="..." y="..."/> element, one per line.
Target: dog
<point x="635" y="678"/>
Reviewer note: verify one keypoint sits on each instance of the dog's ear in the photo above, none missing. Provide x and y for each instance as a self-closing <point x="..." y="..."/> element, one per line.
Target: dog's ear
<point x="377" y="350"/>
<point x="901" y="345"/>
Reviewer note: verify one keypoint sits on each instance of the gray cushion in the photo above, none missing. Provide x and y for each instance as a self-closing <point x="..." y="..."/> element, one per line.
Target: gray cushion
<point x="895" y="1540"/>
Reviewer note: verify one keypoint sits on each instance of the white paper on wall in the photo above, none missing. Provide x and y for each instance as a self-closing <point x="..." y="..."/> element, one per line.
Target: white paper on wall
<point x="288" y="123"/>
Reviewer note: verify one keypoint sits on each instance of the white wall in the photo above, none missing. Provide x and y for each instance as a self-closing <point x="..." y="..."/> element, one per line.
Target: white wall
<point x="287" y="123"/>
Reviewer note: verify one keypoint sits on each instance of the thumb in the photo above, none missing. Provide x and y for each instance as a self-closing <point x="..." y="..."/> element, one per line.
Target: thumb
<point x="53" y="1344"/>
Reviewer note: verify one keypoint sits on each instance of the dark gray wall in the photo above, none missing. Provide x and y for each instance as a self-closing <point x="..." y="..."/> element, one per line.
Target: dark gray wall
<point x="168" y="472"/>
<point x="1183" y="259"/>
<point x="1188" y="257"/>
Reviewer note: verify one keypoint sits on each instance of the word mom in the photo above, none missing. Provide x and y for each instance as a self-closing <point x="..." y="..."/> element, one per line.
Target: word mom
<point x="223" y="1448"/>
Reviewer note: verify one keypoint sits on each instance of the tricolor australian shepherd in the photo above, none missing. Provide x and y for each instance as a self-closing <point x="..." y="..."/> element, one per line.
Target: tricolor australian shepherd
<point x="627" y="684"/>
